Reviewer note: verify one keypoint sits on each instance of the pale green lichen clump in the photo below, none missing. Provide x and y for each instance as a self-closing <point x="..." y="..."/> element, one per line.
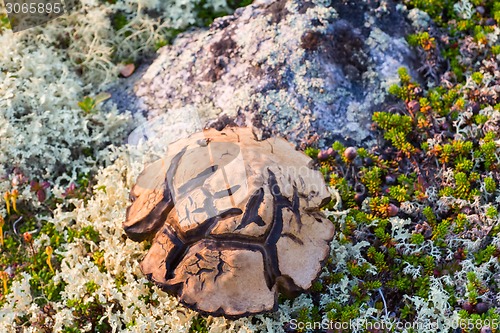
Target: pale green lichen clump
<point x="416" y="217"/>
<point x="47" y="137"/>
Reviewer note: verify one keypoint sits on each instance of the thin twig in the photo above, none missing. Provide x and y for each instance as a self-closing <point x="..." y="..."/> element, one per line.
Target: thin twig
<point x="15" y="223"/>
<point x="383" y="300"/>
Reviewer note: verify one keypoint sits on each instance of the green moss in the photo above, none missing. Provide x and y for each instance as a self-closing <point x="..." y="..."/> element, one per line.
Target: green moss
<point x="396" y="128"/>
<point x="490" y="185"/>
<point x="399" y="193"/>
<point x="441" y="231"/>
<point x="491" y="212"/>
<point x="462" y="185"/>
<point x="342" y="313"/>
<point x="377" y="258"/>
<point x="460" y="223"/>
<point x="417" y="239"/>
<point x="429" y="214"/>
<point x="387" y="121"/>
<point x="311" y="152"/>
<point x="422" y="39"/>
<point x="372" y="180"/>
<point x="98" y="257"/>
<point x="484" y="255"/>
<point x="437" y="9"/>
<point x="307" y="317"/>
<point x="92" y="312"/>
<point x="464" y="164"/>
<point x="89" y="104"/>
<point x="206" y="14"/>
<point x="480" y="119"/>
<point x="198" y="325"/>
<point x="87" y="232"/>
<point x="477" y="77"/>
<point x="119" y="21"/>
<point x="488" y="150"/>
<point x="4" y="22"/>
<point x="434" y="145"/>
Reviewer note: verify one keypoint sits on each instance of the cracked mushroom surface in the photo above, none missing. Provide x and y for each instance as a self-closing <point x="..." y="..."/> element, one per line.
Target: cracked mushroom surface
<point x="233" y="221"/>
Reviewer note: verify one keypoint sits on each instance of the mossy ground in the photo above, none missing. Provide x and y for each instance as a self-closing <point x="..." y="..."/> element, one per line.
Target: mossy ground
<point x="436" y="166"/>
<point x="416" y="215"/>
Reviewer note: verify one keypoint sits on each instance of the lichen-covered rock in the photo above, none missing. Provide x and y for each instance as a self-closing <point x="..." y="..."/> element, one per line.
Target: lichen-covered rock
<point x="235" y="220"/>
<point x="295" y="68"/>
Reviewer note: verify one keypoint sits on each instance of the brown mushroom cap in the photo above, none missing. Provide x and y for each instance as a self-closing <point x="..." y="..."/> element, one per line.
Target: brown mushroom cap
<point x="235" y="220"/>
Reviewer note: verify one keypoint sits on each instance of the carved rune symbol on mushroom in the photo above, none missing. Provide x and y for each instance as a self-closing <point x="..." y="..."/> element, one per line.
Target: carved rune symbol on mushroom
<point x="235" y="220"/>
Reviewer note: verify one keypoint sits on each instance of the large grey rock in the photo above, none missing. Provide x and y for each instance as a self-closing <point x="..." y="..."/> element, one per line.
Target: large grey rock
<point x="294" y="68"/>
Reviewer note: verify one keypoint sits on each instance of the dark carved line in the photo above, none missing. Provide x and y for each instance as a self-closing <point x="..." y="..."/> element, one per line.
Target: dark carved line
<point x="293" y="238"/>
<point x="296" y="207"/>
<point x="220" y="267"/>
<point x="242" y="238"/>
<point x="234" y="241"/>
<point x="230" y="212"/>
<point x="230" y="244"/>
<point x="208" y="206"/>
<point x="172" y="169"/>
<point x="271" y="259"/>
<point x="204" y="270"/>
<point x="174" y="255"/>
<point x="153" y="221"/>
<point x="226" y="192"/>
<point x="197" y="180"/>
<point x="252" y="210"/>
<point x="184" y="244"/>
<point x="279" y="202"/>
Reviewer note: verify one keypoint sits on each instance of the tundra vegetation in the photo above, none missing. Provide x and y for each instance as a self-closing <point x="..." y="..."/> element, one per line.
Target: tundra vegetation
<point x="416" y="215"/>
